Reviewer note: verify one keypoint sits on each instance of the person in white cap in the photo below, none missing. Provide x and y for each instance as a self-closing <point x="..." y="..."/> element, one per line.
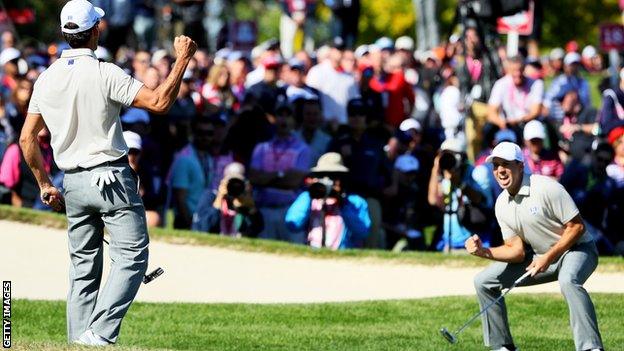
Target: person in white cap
<point x="539" y="160"/>
<point x="79" y="98"/>
<point x="570" y="79"/>
<point x="543" y="234"/>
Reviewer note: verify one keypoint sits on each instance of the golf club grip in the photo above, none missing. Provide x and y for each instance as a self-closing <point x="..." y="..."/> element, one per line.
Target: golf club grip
<point x="522" y="278"/>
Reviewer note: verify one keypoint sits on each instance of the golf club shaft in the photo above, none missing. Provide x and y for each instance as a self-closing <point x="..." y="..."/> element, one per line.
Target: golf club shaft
<point x="518" y="281"/>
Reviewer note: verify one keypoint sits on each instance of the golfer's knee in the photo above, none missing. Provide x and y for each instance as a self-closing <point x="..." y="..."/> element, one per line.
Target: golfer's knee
<point x="568" y="284"/>
<point x="481" y="281"/>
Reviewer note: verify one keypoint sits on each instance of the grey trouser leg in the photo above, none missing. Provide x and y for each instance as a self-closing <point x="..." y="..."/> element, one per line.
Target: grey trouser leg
<point x="572" y="270"/>
<point x="118" y="208"/>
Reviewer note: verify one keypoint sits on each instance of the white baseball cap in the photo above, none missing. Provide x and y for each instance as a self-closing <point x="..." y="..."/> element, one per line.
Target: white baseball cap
<point x="406" y="163"/>
<point x="589" y="52"/>
<point x="133" y="140"/>
<point x="404" y="43"/>
<point x="454" y="145"/>
<point x="534" y="130"/>
<point x="557" y="54"/>
<point x="9" y="54"/>
<point x="507" y="151"/>
<point x="82" y="13"/>
<point x="410" y="123"/>
<point x="571" y="57"/>
<point x="234" y="170"/>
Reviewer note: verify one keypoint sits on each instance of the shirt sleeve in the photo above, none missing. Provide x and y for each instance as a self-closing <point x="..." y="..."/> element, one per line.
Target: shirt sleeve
<point x="180" y="174"/>
<point x="536" y="95"/>
<point x="561" y="205"/>
<point x="120" y="87"/>
<point x="303" y="161"/>
<point x="256" y="157"/>
<point x="33" y="105"/>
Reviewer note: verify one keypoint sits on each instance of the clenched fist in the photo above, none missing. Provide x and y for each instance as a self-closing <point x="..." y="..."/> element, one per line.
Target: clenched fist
<point x="473" y="245"/>
<point x="184" y="47"/>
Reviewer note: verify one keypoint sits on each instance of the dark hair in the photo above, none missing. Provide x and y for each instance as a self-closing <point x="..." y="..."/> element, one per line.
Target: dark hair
<point x="80" y="39"/>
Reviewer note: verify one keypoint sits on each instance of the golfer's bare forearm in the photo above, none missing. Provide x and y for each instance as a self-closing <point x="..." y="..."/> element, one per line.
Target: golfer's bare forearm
<point x="572" y="231"/>
<point x="162" y="98"/>
<point x="31" y="151"/>
<point x="512" y="251"/>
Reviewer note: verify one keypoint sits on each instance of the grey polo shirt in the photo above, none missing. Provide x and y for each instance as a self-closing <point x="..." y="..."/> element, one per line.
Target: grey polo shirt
<point x="537" y="212"/>
<point x="79" y="99"/>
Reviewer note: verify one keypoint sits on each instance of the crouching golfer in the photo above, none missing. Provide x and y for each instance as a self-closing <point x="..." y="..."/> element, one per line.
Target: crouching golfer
<point x="79" y="99"/>
<point x="535" y="211"/>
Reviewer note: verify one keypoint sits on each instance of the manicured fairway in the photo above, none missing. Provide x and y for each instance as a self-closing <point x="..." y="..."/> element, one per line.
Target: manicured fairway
<point x="539" y="322"/>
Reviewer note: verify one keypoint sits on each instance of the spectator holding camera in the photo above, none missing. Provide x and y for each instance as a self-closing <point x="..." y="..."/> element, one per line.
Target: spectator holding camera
<point x="231" y="210"/>
<point x="453" y="190"/>
<point x="332" y="217"/>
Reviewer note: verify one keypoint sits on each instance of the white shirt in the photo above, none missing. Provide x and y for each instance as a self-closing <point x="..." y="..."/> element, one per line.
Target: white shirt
<point x="79" y="99"/>
<point x="336" y="90"/>
<point x="516" y="101"/>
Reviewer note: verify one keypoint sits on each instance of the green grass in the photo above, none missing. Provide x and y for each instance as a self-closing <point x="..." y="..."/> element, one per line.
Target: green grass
<point x="538" y="322"/>
<point x="53" y="220"/>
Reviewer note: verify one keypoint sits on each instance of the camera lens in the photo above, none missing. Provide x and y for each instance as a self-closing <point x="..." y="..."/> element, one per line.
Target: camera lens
<point x="235" y="187"/>
<point x="317" y="190"/>
<point x="448" y="161"/>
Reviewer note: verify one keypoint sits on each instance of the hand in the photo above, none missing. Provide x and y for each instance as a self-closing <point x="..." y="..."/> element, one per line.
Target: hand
<point x="539" y="265"/>
<point x="50" y="196"/>
<point x="474" y="245"/>
<point x="102" y="178"/>
<point x="184" y="47"/>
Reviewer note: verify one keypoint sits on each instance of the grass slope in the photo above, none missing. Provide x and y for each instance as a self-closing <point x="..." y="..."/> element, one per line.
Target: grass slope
<point x="539" y="322"/>
<point x="53" y="220"/>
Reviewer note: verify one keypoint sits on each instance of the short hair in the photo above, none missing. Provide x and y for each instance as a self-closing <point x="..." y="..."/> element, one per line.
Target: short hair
<point x="80" y="39"/>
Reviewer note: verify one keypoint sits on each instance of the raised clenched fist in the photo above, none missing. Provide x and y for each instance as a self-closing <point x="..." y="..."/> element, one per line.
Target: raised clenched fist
<point x="184" y="47"/>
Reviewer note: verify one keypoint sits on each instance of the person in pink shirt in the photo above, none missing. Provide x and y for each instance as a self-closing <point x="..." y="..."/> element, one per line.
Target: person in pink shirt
<point x="538" y="159"/>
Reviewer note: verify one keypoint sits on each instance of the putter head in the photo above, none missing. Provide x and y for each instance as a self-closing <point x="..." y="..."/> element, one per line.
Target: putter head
<point x="155" y="274"/>
<point x="448" y="336"/>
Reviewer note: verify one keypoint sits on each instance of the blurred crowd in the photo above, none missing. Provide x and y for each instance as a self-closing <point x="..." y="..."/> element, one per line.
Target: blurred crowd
<point x="338" y="145"/>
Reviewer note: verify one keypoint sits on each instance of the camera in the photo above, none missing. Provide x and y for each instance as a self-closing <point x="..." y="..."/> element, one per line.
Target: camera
<point x="235" y="187"/>
<point x="450" y="161"/>
<point x="321" y="188"/>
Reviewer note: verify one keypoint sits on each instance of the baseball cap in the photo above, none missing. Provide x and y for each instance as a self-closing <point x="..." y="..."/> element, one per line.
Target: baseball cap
<point x="404" y="43"/>
<point x="589" y="52"/>
<point x="410" y="123"/>
<point x="9" y="54"/>
<point x="407" y="163"/>
<point x="234" y="170"/>
<point x="571" y="57"/>
<point x="361" y="51"/>
<point x="133" y="140"/>
<point x="454" y="145"/>
<point x="82" y="13"/>
<point x="556" y="54"/>
<point x="296" y="64"/>
<point x="534" y="130"/>
<point x="507" y="151"/>
<point x="384" y="43"/>
<point x="615" y="134"/>
<point x="504" y="135"/>
<point x="271" y="62"/>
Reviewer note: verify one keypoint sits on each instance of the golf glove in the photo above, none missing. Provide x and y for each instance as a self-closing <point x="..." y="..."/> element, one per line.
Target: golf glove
<point x="100" y="179"/>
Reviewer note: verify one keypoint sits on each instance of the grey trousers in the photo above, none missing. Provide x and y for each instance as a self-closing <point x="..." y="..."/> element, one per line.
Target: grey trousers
<point x="119" y="209"/>
<point x="571" y="270"/>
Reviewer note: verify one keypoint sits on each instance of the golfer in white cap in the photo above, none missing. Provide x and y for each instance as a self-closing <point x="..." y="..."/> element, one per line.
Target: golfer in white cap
<point x="79" y="98"/>
<point x="544" y="234"/>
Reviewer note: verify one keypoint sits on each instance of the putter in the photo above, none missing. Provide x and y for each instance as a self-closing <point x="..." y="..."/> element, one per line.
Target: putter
<point x="150" y="276"/>
<point x="452" y="337"/>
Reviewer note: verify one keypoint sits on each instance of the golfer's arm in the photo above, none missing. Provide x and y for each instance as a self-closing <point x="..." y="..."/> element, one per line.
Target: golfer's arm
<point x="572" y="231"/>
<point x="511" y="251"/>
<point x="162" y="98"/>
<point x="30" y="148"/>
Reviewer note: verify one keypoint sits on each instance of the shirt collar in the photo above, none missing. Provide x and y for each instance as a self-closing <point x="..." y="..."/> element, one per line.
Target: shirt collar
<point x="525" y="188"/>
<point x="69" y="53"/>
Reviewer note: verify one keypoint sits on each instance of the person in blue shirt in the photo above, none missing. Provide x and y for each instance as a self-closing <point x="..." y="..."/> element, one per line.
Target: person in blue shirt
<point x="331" y="217"/>
<point x="563" y="83"/>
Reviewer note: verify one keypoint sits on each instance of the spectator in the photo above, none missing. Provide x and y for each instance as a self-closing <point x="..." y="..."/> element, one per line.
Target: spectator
<point x="238" y="69"/>
<point x="16" y="176"/>
<point x="277" y="170"/>
<point x="266" y="92"/>
<point x="17" y="106"/>
<point x="296" y="26"/>
<point x="231" y="210"/>
<point x="297" y="88"/>
<point x="7" y="134"/>
<point x="181" y="114"/>
<point x="396" y="92"/>
<point x="450" y="107"/>
<point x="7" y="40"/>
<point x="140" y="64"/>
<point x="555" y="61"/>
<point x="336" y="87"/>
<point x="515" y="99"/>
<point x="192" y="14"/>
<point x="570" y="79"/>
<point x="118" y="23"/>
<point x="194" y="169"/>
<point x="10" y="72"/>
<point x="616" y="169"/>
<point x="538" y="160"/>
<point x="217" y="91"/>
<point x="369" y="170"/>
<point x="578" y="126"/>
<point x="453" y="190"/>
<point x="591" y="60"/>
<point x="332" y="217"/>
<point x="612" y="112"/>
<point x="310" y="131"/>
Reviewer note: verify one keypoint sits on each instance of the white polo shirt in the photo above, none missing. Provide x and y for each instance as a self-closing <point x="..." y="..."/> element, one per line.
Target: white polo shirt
<point x="516" y="101"/>
<point x="537" y="212"/>
<point x="79" y="99"/>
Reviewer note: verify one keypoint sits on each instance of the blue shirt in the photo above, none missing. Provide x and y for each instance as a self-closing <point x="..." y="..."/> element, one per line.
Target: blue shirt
<point x="190" y="173"/>
<point x="560" y="86"/>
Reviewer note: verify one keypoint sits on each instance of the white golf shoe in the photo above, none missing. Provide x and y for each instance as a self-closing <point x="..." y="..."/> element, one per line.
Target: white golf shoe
<point x="89" y="338"/>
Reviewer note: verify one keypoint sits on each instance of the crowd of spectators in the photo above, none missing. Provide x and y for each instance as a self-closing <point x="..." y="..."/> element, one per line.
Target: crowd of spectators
<point x="343" y="146"/>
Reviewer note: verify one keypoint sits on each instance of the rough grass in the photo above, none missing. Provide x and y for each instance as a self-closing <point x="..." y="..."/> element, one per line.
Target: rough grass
<point x="54" y="220"/>
<point x="538" y="322"/>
